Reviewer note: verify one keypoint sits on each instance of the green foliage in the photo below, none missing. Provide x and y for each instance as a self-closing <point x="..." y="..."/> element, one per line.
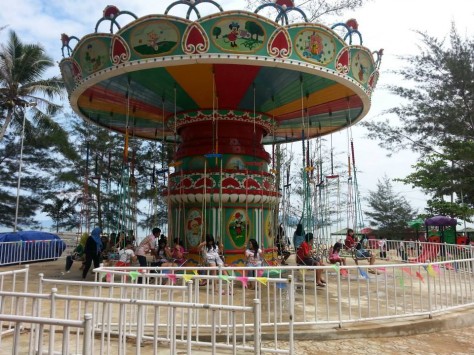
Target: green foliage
<point x="437" y="117"/>
<point x="216" y="31"/>
<point x="60" y="210"/>
<point x="317" y="9"/>
<point x="389" y="212"/>
<point x="456" y="209"/>
<point x="22" y="67"/>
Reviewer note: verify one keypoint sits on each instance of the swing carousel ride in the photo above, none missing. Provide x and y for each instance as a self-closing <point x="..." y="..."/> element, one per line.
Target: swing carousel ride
<point x="219" y="88"/>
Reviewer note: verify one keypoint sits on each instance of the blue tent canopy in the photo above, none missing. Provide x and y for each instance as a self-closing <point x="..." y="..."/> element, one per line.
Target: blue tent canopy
<point x="26" y="246"/>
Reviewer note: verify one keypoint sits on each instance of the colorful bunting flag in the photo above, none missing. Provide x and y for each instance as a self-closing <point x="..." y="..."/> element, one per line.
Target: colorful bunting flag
<point x="336" y="267"/>
<point x="244" y="280"/>
<point x="262" y="280"/>
<point x="108" y="277"/>
<point x="172" y="278"/>
<point x="187" y="277"/>
<point x="382" y="269"/>
<point x="363" y="273"/>
<point x="402" y="280"/>
<point x="430" y="270"/>
<point x="302" y="272"/>
<point x="281" y="285"/>
<point x="102" y="275"/>
<point x="344" y="272"/>
<point x="418" y="275"/>
<point x="436" y="269"/>
<point x="196" y="272"/>
<point x="224" y="277"/>
<point x="133" y="275"/>
<point x="407" y="270"/>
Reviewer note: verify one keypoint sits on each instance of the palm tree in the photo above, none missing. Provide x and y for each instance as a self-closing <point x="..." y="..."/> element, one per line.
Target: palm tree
<point x="21" y="69"/>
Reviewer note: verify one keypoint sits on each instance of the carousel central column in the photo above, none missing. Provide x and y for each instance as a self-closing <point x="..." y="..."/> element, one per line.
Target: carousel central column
<point x="221" y="184"/>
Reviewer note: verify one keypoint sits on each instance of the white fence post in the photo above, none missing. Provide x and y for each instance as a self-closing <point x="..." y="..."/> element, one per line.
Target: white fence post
<point x="291" y="311"/>
<point x="257" y="321"/>
<point x="52" y="315"/>
<point x="87" y="334"/>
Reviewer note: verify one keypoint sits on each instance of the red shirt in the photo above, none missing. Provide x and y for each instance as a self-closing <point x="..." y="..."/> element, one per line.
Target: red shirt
<point x="349" y="242"/>
<point x="303" y="251"/>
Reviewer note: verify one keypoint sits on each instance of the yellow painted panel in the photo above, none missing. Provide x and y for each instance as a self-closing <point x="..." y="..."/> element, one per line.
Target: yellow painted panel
<point x="200" y="88"/>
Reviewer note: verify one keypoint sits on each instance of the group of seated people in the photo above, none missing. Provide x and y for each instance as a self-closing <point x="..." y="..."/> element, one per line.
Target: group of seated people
<point x="305" y="256"/>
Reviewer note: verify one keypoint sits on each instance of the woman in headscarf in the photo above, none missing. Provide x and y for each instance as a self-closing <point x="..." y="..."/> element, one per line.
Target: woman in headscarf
<point x="92" y="251"/>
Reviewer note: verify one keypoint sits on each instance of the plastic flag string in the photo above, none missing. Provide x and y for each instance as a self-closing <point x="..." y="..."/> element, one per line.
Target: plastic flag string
<point x="108" y="277"/>
<point x="224" y="277"/>
<point x="281" y="285"/>
<point x="449" y="267"/>
<point x="407" y="270"/>
<point x="418" y="275"/>
<point x="262" y="280"/>
<point x="401" y="280"/>
<point x="336" y="267"/>
<point x="436" y="269"/>
<point x="344" y="272"/>
<point x="172" y="278"/>
<point x="363" y="273"/>
<point x="382" y="269"/>
<point x="274" y="272"/>
<point x="102" y="275"/>
<point x="133" y="275"/>
<point x="187" y="277"/>
<point x="244" y="280"/>
<point x="302" y="272"/>
<point x="430" y="270"/>
<point x="196" y="272"/>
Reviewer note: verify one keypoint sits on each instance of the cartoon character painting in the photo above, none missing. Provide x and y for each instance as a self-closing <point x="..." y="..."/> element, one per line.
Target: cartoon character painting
<point x="238" y="226"/>
<point x="153" y="38"/>
<point x="93" y="56"/>
<point x="362" y="66"/>
<point x="315" y="46"/>
<point x="193" y="227"/>
<point x="234" y="34"/>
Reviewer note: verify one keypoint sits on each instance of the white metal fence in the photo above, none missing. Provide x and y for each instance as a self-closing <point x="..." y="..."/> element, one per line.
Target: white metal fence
<point x="22" y="252"/>
<point x="234" y="312"/>
<point x="34" y="342"/>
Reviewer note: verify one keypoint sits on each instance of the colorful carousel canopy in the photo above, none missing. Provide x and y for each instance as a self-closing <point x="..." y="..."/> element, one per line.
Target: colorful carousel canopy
<point x="302" y="80"/>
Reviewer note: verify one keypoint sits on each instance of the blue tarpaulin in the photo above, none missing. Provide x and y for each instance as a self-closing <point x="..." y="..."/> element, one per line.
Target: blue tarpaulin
<point x="26" y="246"/>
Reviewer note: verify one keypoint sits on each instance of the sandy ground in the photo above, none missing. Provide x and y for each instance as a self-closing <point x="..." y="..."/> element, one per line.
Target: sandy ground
<point x="455" y="341"/>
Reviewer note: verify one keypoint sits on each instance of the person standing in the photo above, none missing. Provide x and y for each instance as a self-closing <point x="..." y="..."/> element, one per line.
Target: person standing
<point x="146" y="246"/>
<point x="92" y="251"/>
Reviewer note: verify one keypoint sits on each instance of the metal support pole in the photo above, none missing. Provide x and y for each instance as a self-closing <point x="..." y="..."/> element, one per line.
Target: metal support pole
<point x="19" y="173"/>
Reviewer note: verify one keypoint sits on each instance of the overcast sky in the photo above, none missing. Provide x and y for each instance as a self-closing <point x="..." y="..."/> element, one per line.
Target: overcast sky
<point x="387" y="24"/>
